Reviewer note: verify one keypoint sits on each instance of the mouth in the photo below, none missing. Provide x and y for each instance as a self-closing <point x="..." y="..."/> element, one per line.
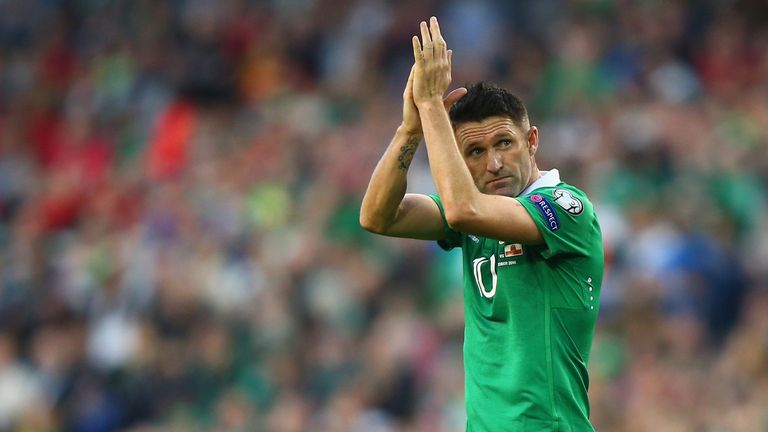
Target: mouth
<point x="498" y="181"/>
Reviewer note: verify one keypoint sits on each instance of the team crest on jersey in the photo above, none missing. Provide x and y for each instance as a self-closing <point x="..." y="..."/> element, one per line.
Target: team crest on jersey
<point x="570" y="203"/>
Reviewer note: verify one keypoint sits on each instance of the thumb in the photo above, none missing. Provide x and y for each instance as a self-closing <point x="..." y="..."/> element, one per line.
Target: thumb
<point x="453" y="97"/>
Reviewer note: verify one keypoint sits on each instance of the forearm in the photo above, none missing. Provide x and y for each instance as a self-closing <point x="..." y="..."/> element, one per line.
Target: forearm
<point x="388" y="182"/>
<point x="452" y="178"/>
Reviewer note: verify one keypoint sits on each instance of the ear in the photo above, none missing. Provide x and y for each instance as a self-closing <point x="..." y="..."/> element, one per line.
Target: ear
<point x="533" y="140"/>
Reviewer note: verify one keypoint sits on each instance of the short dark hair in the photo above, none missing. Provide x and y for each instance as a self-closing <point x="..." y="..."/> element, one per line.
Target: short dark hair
<point x="485" y="99"/>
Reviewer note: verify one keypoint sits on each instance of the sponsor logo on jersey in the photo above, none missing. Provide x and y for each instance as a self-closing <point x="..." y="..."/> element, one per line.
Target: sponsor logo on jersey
<point x="570" y="203"/>
<point x="547" y="211"/>
<point x="474" y="238"/>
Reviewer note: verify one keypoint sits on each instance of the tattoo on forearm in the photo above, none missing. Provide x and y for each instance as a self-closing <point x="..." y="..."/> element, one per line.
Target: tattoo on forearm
<point x="406" y="153"/>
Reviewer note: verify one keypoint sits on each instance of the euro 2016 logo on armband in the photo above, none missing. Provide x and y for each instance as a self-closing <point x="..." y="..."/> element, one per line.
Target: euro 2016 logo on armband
<point x="570" y="203"/>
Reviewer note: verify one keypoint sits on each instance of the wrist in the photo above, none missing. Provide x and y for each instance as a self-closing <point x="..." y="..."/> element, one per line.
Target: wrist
<point x="430" y="103"/>
<point x="410" y="131"/>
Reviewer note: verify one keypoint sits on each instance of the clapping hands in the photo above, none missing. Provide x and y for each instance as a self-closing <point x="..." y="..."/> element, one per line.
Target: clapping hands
<point x="430" y="75"/>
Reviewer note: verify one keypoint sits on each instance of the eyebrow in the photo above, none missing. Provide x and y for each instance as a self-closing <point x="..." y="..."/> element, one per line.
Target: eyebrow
<point x="495" y="136"/>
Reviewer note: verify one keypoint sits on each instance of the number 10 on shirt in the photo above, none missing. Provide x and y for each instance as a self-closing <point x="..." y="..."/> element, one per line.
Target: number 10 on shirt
<point x="477" y="265"/>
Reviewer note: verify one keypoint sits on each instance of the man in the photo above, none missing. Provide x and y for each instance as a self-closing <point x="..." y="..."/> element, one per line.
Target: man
<point x="532" y="247"/>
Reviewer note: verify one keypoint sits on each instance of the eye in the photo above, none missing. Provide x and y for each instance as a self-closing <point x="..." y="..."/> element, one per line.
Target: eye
<point x="475" y="151"/>
<point x="505" y="143"/>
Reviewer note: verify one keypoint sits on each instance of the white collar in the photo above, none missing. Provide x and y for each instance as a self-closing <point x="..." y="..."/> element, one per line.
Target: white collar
<point x="548" y="179"/>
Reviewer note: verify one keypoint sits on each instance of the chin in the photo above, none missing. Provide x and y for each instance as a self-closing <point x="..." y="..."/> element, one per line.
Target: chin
<point x="503" y="191"/>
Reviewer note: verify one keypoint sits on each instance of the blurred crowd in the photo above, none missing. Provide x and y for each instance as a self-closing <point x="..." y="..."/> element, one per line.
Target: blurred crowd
<point x="180" y="184"/>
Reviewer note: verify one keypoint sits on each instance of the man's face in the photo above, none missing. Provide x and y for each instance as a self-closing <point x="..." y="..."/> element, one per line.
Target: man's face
<point x="499" y="154"/>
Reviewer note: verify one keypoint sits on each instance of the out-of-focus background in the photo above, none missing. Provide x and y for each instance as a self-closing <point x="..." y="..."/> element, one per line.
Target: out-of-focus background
<point x="180" y="184"/>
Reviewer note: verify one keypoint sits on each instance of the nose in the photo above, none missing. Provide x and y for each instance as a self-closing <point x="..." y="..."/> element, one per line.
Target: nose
<point x="494" y="164"/>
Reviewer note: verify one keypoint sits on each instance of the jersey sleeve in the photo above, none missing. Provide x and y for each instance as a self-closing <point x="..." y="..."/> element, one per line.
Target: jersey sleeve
<point x="565" y="218"/>
<point x="452" y="238"/>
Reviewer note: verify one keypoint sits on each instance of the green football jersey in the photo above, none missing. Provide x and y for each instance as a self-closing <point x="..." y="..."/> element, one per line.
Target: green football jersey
<point x="530" y="315"/>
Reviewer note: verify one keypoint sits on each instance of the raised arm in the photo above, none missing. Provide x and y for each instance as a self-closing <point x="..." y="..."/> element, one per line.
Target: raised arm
<point x="386" y="208"/>
<point x="466" y="209"/>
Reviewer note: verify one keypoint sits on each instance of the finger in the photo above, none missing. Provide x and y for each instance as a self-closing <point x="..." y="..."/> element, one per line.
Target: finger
<point x="409" y="83"/>
<point x="434" y="28"/>
<point x="426" y="40"/>
<point x="453" y="97"/>
<point x="437" y="38"/>
<point x="450" y="56"/>
<point x="418" y="55"/>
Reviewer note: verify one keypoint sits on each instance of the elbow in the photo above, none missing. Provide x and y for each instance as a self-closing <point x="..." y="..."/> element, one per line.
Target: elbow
<point x="367" y="218"/>
<point x="370" y="224"/>
<point x="459" y="217"/>
<point x="377" y="219"/>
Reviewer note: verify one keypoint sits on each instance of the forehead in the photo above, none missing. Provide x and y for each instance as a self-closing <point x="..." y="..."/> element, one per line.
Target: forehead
<point x="472" y="132"/>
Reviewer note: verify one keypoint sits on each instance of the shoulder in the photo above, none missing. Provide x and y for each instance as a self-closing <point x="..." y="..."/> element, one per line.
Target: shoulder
<point x="566" y="219"/>
<point x="572" y="199"/>
<point x="568" y="198"/>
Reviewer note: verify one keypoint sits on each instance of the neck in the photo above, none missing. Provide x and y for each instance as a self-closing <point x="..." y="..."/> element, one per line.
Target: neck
<point x="535" y="175"/>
